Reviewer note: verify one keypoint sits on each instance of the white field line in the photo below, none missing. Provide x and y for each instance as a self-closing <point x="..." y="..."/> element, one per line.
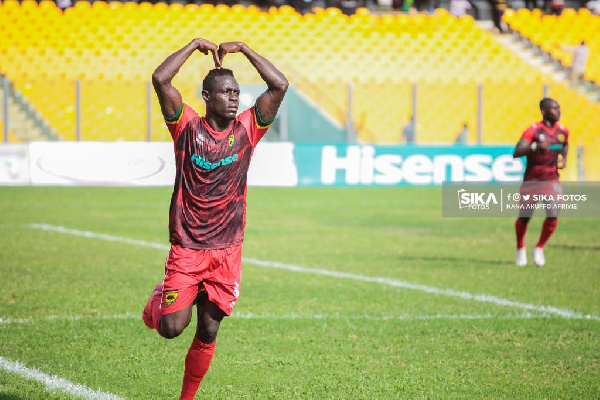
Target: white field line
<point x="483" y="298"/>
<point x="293" y="316"/>
<point x="50" y="318"/>
<point x="54" y="382"/>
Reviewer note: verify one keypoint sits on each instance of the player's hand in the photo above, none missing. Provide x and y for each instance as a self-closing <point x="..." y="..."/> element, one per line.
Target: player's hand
<point x="204" y="46"/>
<point x="229" y="47"/>
<point x="543" y="145"/>
<point x="561" y="163"/>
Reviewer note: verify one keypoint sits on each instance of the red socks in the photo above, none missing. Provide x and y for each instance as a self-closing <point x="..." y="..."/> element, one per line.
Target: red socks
<point x="547" y="230"/>
<point x="199" y="355"/>
<point x="197" y="362"/>
<point x="156" y="314"/>
<point x="151" y="314"/>
<point x="521" y="229"/>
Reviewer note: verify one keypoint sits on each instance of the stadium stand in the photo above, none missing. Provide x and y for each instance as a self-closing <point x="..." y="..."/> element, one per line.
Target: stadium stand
<point x="113" y="47"/>
<point x="549" y="32"/>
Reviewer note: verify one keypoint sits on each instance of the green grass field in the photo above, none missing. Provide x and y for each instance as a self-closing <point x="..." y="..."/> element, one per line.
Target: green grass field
<point x="70" y="305"/>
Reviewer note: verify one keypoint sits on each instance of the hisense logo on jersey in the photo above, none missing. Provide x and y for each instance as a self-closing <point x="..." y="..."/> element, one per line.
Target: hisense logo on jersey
<point x="361" y="165"/>
<point x="201" y="162"/>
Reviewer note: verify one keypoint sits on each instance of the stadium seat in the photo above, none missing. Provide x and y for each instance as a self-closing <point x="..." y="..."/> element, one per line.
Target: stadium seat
<point x="569" y="29"/>
<point x="113" y="48"/>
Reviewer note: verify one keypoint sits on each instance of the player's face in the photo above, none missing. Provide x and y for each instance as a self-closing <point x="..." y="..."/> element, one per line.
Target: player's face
<point x="551" y="111"/>
<point x="225" y="97"/>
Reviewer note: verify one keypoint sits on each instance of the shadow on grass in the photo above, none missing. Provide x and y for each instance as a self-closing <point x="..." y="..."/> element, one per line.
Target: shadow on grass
<point x="458" y="260"/>
<point x="575" y="247"/>
<point x="10" y="396"/>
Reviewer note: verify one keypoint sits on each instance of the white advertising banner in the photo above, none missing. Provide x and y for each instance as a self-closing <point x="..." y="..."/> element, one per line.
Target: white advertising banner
<point x="141" y="164"/>
<point x="103" y="164"/>
<point x="14" y="164"/>
<point x="273" y="165"/>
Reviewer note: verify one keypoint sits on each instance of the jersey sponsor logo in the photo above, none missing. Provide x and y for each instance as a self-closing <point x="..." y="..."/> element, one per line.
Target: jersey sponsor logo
<point x="203" y="163"/>
<point x="171" y="297"/>
<point x="231" y="140"/>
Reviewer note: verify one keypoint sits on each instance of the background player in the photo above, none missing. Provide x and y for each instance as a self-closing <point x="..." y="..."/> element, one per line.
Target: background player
<point x="208" y="206"/>
<point x="545" y="144"/>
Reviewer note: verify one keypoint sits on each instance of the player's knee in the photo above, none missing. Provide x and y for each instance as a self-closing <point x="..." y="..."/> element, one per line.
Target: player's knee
<point x="170" y="329"/>
<point x="208" y="333"/>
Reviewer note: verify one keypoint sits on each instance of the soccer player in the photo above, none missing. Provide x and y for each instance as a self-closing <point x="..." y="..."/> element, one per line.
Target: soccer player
<point x="208" y="205"/>
<point x="546" y="145"/>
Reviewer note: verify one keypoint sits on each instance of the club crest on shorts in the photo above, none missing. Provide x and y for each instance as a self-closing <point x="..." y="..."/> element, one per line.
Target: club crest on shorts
<point x="231" y="140"/>
<point x="171" y="297"/>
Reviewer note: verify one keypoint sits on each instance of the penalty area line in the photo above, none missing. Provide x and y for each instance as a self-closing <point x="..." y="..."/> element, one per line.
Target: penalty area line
<point x="54" y="382"/>
<point x="482" y="298"/>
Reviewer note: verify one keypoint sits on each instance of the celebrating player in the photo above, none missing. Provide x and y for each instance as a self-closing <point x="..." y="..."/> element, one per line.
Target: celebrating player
<point x="208" y="206"/>
<point x="545" y="144"/>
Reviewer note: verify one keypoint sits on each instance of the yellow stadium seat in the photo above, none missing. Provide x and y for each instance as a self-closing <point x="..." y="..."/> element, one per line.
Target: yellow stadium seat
<point x="114" y="47"/>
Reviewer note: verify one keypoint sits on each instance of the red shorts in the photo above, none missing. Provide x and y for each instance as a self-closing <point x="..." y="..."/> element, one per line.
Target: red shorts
<point x="544" y="192"/>
<point x="187" y="271"/>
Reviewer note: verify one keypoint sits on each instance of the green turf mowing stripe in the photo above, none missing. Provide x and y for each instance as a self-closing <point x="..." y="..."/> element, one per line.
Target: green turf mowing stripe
<point x="483" y="298"/>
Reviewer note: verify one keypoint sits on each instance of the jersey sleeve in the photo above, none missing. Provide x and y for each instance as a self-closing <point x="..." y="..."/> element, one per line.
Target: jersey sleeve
<point x="254" y="124"/>
<point x="180" y="120"/>
<point x="527" y="136"/>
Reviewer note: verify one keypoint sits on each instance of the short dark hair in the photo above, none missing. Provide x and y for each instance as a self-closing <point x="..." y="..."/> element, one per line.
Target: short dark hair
<point x="546" y="100"/>
<point x="210" y="79"/>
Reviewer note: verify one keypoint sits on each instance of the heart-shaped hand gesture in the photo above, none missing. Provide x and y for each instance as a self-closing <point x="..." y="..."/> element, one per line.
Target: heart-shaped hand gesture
<point x="228" y="47"/>
<point x="204" y="46"/>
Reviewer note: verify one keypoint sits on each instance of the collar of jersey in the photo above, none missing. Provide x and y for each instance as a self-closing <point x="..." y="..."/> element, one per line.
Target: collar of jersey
<point x="217" y="134"/>
<point x="552" y="130"/>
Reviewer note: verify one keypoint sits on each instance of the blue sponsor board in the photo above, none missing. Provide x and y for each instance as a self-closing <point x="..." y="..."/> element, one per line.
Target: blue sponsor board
<point x="369" y="165"/>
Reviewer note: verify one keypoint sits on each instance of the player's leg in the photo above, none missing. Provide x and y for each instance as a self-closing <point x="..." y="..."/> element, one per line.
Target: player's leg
<point x="151" y="314"/>
<point x="173" y="324"/>
<point x="168" y="322"/>
<point x="526" y="203"/>
<point x="548" y="228"/>
<point x="520" y="231"/>
<point x="169" y="309"/>
<point x="222" y="289"/>
<point x="550" y="223"/>
<point x="202" y="349"/>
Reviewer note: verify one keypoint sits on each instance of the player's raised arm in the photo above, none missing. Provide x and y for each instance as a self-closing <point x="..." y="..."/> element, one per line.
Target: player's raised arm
<point x="168" y="96"/>
<point x="268" y="103"/>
